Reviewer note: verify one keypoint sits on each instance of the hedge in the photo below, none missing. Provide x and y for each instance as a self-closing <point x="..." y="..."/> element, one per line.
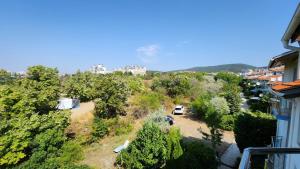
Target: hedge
<point x="254" y="130"/>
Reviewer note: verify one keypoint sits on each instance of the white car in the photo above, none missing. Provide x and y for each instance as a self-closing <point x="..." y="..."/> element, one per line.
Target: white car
<point x="179" y="109"/>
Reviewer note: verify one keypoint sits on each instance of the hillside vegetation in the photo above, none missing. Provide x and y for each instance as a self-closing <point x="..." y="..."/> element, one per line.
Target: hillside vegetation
<point x="236" y="68"/>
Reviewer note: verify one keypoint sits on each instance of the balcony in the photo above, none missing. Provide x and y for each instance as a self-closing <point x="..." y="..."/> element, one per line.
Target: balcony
<point x="266" y="157"/>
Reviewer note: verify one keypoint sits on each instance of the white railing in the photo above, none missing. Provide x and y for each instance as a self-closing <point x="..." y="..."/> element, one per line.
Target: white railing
<point x="248" y="152"/>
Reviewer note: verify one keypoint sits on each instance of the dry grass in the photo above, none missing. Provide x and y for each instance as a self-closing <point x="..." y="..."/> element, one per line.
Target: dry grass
<point x="81" y="120"/>
<point x="100" y="155"/>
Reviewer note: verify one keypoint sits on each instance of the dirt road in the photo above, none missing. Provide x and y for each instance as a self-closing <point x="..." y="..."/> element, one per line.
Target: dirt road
<point x="101" y="155"/>
<point x="190" y="128"/>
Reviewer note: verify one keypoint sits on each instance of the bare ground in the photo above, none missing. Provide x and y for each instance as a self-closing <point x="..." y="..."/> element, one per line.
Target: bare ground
<point x="191" y="128"/>
<point x="100" y="155"/>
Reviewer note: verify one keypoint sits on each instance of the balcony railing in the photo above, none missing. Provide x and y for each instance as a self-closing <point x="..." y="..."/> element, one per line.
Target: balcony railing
<point x="269" y="153"/>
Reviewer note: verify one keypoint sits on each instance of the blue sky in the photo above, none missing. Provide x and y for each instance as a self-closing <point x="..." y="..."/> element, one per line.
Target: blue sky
<point x="159" y="34"/>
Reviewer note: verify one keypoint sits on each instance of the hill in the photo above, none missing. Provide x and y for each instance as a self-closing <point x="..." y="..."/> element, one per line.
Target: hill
<point x="225" y="67"/>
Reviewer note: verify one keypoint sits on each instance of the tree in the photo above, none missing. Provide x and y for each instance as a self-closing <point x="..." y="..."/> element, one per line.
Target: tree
<point x="148" y="150"/>
<point x="231" y="93"/>
<point x="220" y="105"/>
<point x="20" y="136"/>
<point x="5" y="77"/>
<point x="200" y="105"/>
<point x="31" y="130"/>
<point x="228" y="77"/>
<point x="112" y="94"/>
<point x="175" y="84"/>
<point x="80" y="85"/>
<point x="213" y="119"/>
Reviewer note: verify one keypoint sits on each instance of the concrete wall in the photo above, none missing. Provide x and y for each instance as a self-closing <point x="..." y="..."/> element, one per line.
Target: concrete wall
<point x="293" y="161"/>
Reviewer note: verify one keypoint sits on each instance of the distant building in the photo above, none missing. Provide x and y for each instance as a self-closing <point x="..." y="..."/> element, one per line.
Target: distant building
<point x="134" y="69"/>
<point x="98" y="69"/>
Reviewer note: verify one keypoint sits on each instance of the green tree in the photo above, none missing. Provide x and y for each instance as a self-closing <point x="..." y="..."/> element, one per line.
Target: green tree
<point x="112" y="95"/>
<point x="80" y="85"/>
<point x="175" y="84"/>
<point x="200" y="105"/>
<point x="229" y="77"/>
<point x="148" y="150"/>
<point x="213" y="118"/>
<point x="231" y="93"/>
<point x="5" y="77"/>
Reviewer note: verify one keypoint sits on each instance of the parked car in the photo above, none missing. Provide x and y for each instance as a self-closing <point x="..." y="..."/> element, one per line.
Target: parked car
<point x="179" y="109"/>
<point x="170" y="119"/>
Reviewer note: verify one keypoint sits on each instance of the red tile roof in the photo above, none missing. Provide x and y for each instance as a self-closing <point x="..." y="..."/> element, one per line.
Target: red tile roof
<point x="286" y="85"/>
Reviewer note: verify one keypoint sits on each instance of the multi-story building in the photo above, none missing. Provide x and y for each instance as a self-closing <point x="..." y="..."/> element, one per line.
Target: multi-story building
<point x="134" y="69"/>
<point x="98" y="69"/>
<point x="285" y="106"/>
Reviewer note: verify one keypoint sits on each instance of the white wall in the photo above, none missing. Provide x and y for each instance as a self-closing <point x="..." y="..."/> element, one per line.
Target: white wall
<point x="293" y="161"/>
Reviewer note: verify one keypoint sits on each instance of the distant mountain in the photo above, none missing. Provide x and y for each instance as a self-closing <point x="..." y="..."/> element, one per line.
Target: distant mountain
<point x="225" y="67"/>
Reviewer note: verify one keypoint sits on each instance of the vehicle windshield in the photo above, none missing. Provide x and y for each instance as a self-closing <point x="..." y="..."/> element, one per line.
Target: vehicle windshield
<point x="178" y="108"/>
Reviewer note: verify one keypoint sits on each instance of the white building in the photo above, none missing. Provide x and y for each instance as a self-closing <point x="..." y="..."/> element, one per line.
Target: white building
<point x="134" y="69"/>
<point x="98" y="69"/>
<point x="285" y="150"/>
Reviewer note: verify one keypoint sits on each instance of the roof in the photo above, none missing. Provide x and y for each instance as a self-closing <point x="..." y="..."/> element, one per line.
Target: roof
<point x="263" y="78"/>
<point x="281" y="59"/>
<point x="286" y="89"/>
<point x="292" y="30"/>
<point x="279" y="87"/>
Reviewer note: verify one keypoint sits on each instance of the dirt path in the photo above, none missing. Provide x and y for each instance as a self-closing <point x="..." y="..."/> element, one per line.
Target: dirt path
<point x="190" y="128"/>
<point x="100" y="155"/>
<point x="83" y="113"/>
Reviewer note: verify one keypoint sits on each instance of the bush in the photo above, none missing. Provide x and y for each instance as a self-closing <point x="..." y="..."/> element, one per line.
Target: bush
<point x="195" y="155"/>
<point x="200" y="105"/>
<point x="220" y="105"/>
<point x="71" y="151"/>
<point x="145" y="103"/>
<point x="254" y="130"/>
<point x="173" y="144"/>
<point x="148" y="150"/>
<point x="233" y="98"/>
<point x="262" y="105"/>
<point x="100" y="129"/>
<point x="229" y="77"/>
<point x="227" y="122"/>
<point x="123" y="127"/>
<point x="175" y="84"/>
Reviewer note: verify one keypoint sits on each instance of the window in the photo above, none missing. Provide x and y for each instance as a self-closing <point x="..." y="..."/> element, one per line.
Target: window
<point x="295" y="74"/>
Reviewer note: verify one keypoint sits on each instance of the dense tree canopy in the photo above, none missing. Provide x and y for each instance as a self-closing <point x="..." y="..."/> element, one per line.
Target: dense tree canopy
<point x="174" y="84"/>
<point x="30" y="127"/>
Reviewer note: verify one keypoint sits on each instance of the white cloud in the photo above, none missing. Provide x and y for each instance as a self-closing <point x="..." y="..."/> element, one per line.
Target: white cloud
<point x="148" y="53"/>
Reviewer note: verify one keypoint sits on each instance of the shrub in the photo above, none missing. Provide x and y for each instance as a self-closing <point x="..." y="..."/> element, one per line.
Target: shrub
<point x="232" y="95"/>
<point x="229" y="77"/>
<point x="158" y="118"/>
<point x="200" y="105"/>
<point x="123" y="127"/>
<point x="175" y="84"/>
<point x="195" y="155"/>
<point x="220" y="105"/>
<point x="71" y="151"/>
<point x="259" y="127"/>
<point x="148" y="150"/>
<point x="135" y="84"/>
<point x="213" y="119"/>
<point x="100" y="129"/>
<point x="262" y="105"/>
<point x="173" y="144"/>
<point x="227" y="122"/>
<point x="145" y="103"/>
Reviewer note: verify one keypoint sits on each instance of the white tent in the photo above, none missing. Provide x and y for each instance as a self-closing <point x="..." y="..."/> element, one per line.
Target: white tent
<point x="67" y="103"/>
